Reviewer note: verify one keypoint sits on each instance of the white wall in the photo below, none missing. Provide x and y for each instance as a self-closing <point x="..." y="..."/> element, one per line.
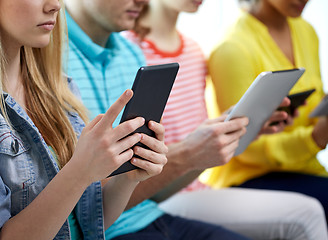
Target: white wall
<point x="208" y="25"/>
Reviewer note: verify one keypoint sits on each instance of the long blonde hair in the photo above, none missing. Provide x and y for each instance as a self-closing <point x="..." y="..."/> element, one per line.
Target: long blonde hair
<point x="48" y="98"/>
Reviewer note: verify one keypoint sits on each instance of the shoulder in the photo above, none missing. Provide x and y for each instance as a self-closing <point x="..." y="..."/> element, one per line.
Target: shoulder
<point x="242" y="39"/>
<point x="127" y="48"/>
<point x="303" y="27"/>
<point x="131" y="36"/>
<point x="124" y="43"/>
<point x="190" y="43"/>
<point x="72" y="86"/>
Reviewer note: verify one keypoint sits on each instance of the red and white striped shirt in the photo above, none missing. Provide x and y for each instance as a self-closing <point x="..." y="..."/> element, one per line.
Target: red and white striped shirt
<point x="186" y="107"/>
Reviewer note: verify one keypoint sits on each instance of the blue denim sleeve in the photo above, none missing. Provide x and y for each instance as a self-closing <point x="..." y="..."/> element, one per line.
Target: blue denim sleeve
<point x="5" y="203"/>
<point x="74" y="88"/>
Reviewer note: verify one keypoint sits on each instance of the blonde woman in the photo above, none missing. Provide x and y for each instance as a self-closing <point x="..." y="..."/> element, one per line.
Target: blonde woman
<point x="49" y="180"/>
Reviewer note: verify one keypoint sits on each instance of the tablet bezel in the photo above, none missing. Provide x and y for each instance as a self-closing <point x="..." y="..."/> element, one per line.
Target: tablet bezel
<point x="261" y="99"/>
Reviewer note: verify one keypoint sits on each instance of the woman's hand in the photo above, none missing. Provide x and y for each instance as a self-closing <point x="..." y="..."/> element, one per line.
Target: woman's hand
<point x="154" y="158"/>
<point x="279" y="119"/>
<point x="101" y="148"/>
<point x="320" y="132"/>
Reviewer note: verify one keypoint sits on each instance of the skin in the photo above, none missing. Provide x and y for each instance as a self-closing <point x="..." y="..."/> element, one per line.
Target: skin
<point x="214" y="141"/>
<point x="274" y="13"/>
<point x="99" y="151"/>
<point x="99" y="18"/>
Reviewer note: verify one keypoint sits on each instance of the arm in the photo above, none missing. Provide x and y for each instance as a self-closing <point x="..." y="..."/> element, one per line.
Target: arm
<point x="118" y="189"/>
<point x="44" y="217"/>
<point x="278" y="149"/>
<point x="98" y="153"/>
<point x="212" y="144"/>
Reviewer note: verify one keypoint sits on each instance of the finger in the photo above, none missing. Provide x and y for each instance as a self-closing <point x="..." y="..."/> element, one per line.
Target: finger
<point x="235" y="136"/>
<point x="154" y="144"/>
<point x="158" y="129"/>
<point x="127" y="143"/>
<point x="289" y="120"/>
<point x="125" y="156"/>
<point x="149" y="155"/>
<point x="296" y="113"/>
<point x="151" y="168"/>
<point x="115" y="109"/>
<point x="127" y="127"/>
<point x="94" y="122"/>
<point x="270" y="129"/>
<point x="216" y="120"/>
<point x="235" y="124"/>
<point x="285" y="102"/>
<point x="278" y="116"/>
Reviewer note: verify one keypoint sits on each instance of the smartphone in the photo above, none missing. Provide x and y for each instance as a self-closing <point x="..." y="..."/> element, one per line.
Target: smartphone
<point x="296" y="100"/>
<point x="151" y="90"/>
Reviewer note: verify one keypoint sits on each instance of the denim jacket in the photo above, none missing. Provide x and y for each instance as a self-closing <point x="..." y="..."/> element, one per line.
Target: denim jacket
<point x="27" y="166"/>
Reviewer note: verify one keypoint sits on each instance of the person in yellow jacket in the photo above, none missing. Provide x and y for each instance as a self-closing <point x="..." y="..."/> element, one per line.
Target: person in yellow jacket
<point x="271" y="35"/>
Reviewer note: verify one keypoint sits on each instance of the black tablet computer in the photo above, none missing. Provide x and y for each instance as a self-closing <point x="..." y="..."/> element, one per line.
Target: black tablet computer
<point x="151" y="90"/>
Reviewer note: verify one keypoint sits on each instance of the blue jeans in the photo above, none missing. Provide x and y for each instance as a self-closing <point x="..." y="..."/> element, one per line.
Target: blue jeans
<point x="310" y="185"/>
<point x="169" y="227"/>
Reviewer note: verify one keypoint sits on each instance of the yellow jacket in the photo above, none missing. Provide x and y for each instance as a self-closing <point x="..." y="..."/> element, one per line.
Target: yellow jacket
<point x="247" y="51"/>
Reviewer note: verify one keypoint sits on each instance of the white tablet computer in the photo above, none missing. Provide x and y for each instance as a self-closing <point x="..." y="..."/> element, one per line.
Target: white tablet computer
<point x="261" y="99"/>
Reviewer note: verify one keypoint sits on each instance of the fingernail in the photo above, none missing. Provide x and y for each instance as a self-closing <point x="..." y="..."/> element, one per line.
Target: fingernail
<point x="128" y="92"/>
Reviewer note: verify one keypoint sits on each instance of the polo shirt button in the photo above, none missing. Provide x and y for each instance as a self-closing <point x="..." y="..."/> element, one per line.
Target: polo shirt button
<point x="15" y="146"/>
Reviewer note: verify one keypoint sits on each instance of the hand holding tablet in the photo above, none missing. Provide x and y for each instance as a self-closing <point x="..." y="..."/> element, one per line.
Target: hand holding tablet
<point x="261" y="99"/>
<point x="151" y="88"/>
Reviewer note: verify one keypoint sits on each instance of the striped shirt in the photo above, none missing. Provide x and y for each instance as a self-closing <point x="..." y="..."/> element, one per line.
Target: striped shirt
<point x="185" y="109"/>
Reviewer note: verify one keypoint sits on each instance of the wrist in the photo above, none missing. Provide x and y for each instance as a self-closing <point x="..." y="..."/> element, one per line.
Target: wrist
<point x="77" y="175"/>
<point x="122" y="180"/>
<point x="178" y="157"/>
<point x="321" y="143"/>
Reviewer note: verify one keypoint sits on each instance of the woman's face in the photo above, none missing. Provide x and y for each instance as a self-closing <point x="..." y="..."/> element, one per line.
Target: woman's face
<point x="288" y="8"/>
<point x="28" y="22"/>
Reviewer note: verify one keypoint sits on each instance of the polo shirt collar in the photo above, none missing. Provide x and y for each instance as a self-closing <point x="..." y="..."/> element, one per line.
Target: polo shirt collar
<point x="85" y="43"/>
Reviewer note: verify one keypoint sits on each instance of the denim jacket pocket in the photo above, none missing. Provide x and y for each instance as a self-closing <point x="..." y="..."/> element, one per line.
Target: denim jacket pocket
<point x="16" y="166"/>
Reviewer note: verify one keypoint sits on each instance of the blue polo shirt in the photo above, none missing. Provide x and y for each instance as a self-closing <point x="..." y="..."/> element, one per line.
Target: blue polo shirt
<point x="102" y="75"/>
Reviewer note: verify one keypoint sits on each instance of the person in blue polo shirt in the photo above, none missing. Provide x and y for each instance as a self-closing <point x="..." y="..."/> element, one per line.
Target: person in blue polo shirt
<point x="104" y="64"/>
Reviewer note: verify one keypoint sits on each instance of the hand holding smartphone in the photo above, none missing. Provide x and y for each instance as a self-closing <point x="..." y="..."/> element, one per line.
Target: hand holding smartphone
<point x="296" y="100"/>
